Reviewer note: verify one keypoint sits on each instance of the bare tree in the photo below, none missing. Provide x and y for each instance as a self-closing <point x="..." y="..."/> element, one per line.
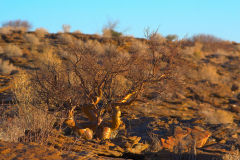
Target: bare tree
<point x="98" y="83"/>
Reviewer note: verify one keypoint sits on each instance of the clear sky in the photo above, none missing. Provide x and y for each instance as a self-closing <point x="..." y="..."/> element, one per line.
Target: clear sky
<point x="182" y="17"/>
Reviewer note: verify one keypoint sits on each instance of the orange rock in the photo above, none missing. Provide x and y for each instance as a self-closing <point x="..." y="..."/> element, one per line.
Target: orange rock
<point x="201" y="136"/>
<point x="168" y="143"/>
<point x="196" y="134"/>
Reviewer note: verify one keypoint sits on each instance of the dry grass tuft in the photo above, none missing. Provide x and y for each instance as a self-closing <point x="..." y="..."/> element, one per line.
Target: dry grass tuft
<point x="216" y="116"/>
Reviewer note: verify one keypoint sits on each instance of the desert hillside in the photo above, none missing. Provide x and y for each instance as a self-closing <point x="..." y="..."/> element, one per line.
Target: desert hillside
<point x="78" y="96"/>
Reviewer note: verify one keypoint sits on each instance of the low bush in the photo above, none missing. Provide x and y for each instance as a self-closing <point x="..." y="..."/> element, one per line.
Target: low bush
<point x="32" y="39"/>
<point x="41" y="32"/>
<point x="171" y="37"/>
<point x="6" y="67"/>
<point x="65" y="38"/>
<point x="31" y="123"/>
<point x="205" y="38"/>
<point x="12" y="50"/>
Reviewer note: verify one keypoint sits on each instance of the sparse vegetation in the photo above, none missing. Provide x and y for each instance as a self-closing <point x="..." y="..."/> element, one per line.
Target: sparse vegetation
<point x="109" y="78"/>
<point x="87" y="93"/>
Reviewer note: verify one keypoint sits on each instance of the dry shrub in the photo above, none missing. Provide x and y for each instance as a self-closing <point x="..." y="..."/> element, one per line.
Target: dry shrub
<point x="65" y="38"/>
<point x="41" y="32"/>
<point x="32" y="113"/>
<point x="216" y="116"/>
<point x="158" y="38"/>
<point x="6" y="67"/>
<point x="32" y="122"/>
<point x="50" y="58"/>
<point x="10" y="130"/>
<point x="138" y="47"/>
<point x="205" y="38"/>
<point x="84" y="73"/>
<point x="32" y="39"/>
<point x="171" y="37"/>
<point x="121" y="83"/>
<point x="93" y="46"/>
<point x="107" y="33"/>
<point x="92" y="64"/>
<point x="109" y="30"/>
<point x="10" y="29"/>
<point x="12" y="50"/>
<point x="154" y="36"/>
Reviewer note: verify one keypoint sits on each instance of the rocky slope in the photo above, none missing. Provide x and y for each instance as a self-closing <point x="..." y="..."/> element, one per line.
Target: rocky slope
<point x="200" y="120"/>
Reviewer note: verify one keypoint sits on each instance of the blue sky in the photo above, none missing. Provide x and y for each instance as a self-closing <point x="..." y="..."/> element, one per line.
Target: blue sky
<point x="182" y="17"/>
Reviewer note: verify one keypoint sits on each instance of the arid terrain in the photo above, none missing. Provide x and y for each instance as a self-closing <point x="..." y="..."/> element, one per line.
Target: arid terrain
<point x="175" y="99"/>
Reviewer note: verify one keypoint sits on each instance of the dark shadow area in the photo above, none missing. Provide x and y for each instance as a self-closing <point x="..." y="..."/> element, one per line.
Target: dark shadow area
<point x="166" y="155"/>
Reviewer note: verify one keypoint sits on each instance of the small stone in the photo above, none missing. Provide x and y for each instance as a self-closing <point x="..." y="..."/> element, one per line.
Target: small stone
<point x="223" y="141"/>
<point x="138" y="148"/>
